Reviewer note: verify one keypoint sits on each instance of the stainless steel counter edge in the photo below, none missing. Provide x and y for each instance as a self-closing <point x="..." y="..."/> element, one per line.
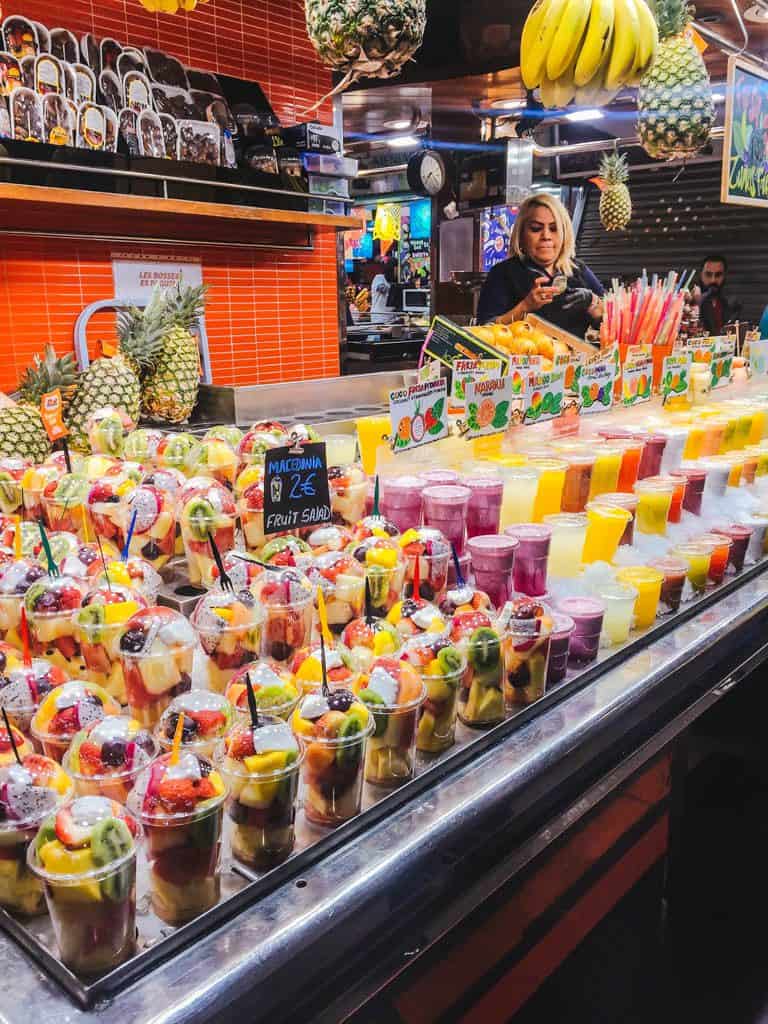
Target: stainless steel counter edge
<point x="258" y="955"/>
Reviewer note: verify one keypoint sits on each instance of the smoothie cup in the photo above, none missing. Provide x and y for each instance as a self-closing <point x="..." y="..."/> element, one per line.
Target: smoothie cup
<point x="631" y="453"/>
<point x="720" y="546"/>
<point x="529" y="571"/>
<point x="484" y="509"/>
<point x="521" y="485"/>
<point x="578" y="479"/>
<point x="587" y="614"/>
<point x="560" y="639"/>
<point x="605" y="473"/>
<point x="401" y="501"/>
<point x="92" y="904"/>
<point x="525" y="648"/>
<point x="157" y="648"/>
<point x="372" y="434"/>
<point x="445" y="509"/>
<point x="619" y="600"/>
<point x="493" y="558"/>
<point x="654" y="499"/>
<point x="29" y="793"/>
<point x="749" y="470"/>
<point x="653" y="452"/>
<point x="260" y="766"/>
<point x="694" y="441"/>
<point x="439" y="477"/>
<point x="675" y="571"/>
<point x="551" y="483"/>
<point x="761" y="454"/>
<point x="605" y="527"/>
<point x="695" y="479"/>
<point x="735" y="461"/>
<point x="394" y="693"/>
<point x="107" y="757"/>
<point x="648" y="583"/>
<point x="287" y="601"/>
<point x="713" y="431"/>
<point x="759" y="527"/>
<point x="628" y="502"/>
<point x="697" y="557"/>
<point x="740" y="537"/>
<point x="569" y="532"/>
<point x="674" y="448"/>
<point x="717" y="478"/>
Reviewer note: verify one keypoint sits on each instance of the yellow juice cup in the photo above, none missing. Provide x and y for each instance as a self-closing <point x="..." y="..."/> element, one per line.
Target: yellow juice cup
<point x="728" y="442"/>
<point x="758" y="425"/>
<point x="521" y="485"/>
<point x="697" y="557"/>
<point x="654" y="499"/>
<point x="695" y="440"/>
<point x="605" y="472"/>
<point x="371" y="431"/>
<point x="712" y="439"/>
<point x="605" y="528"/>
<point x="485" y="447"/>
<point x="743" y="429"/>
<point x="648" y="583"/>
<point x="566" y="546"/>
<point x="761" y="454"/>
<point x="551" y="482"/>
<point x="736" y="462"/>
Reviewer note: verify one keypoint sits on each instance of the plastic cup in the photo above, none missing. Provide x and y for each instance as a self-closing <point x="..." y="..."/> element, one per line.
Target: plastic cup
<point x="648" y="584"/>
<point x="551" y="483"/>
<point x="628" y="502"/>
<point x="650" y="461"/>
<point x="349" y="493"/>
<point x="332" y="776"/>
<point x="713" y="431"/>
<point x="401" y="501"/>
<point x="678" y="484"/>
<point x="521" y="485"/>
<point x="484" y="508"/>
<point x="340" y="449"/>
<point x="756" y="547"/>
<point x="578" y="479"/>
<point x="481" y="697"/>
<point x="605" y="473"/>
<point x="740" y="537"/>
<point x="569" y="532"/>
<point x="390" y="756"/>
<point x="493" y="558"/>
<point x="161" y="669"/>
<point x="720" y="546"/>
<point x="84" y="703"/>
<point x="433" y="568"/>
<point x="654" y="499"/>
<point x="674" y="448"/>
<point x="439" y="477"/>
<point x="445" y="509"/>
<point x="697" y="557"/>
<point x="587" y="614"/>
<point x="761" y="469"/>
<point x="631" y="453"/>
<point x="529" y="571"/>
<point x="695" y="480"/>
<point x="154" y="534"/>
<point x="675" y="571"/>
<point x="560" y="638"/>
<point x="227" y="643"/>
<point x="749" y="470"/>
<point x="694" y="441"/>
<point x="605" y="527"/>
<point x="619" y="600"/>
<point x="437" y="722"/>
<point x="287" y="600"/>
<point x="372" y="434"/>
<point x="114" y="783"/>
<point x="526" y="663"/>
<point x="717" y="477"/>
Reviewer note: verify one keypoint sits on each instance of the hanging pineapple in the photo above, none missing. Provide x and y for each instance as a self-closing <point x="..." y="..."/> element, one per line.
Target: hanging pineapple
<point x="170" y="389"/>
<point x="675" y="95"/>
<point x="615" y="200"/>
<point x="21" y="426"/>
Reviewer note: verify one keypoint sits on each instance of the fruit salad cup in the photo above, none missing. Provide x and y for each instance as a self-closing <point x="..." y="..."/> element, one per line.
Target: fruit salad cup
<point x="85" y="855"/>
<point x="343" y="584"/>
<point x="443" y="669"/>
<point x="33" y="483"/>
<point x="247" y="477"/>
<point x="394" y="693"/>
<point x="307" y="671"/>
<point x="64" y="503"/>
<point x="106" y="757"/>
<point x="434" y="553"/>
<point x="15" y="580"/>
<point x="243" y="570"/>
<point x="363" y="642"/>
<point x="333" y="729"/>
<point x="154" y="531"/>
<point x="24" y="687"/>
<point x="349" y="490"/>
<point x="106" y="429"/>
<point x="84" y="562"/>
<point x="229" y="627"/>
<point x="157" y="648"/>
<point x="93" y="467"/>
<point x="208" y="512"/>
<point x="384" y="567"/>
<point x="29" y="793"/>
<point x="12" y="470"/>
<point x="232" y="435"/>
<point x="136" y="574"/>
<point x="525" y="649"/>
<point x="481" y="698"/>
<point x="325" y="539"/>
<point x="287" y="550"/>
<point x="51" y="604"/>
<point x="287" y="600"/>
<point x="141" y="446"/>
<point x="274" y="688"/>
<point x="65" y="711"/>
<point x="100" y="622"/>
<point x="62" y="544"/>
<point x="260" y="766"/>
<point x="251" y="508"/>
<point x="173" y="450"/>
<point x="23" y="745"/>
<point x="258" y="440"/>
<point x="181" y="807"/>
<point x="375" y="526"/>
<point x="414" y="616"/>
<point x="10" y="657"/>
<point x="214" y="458"/>
<point x="208" y="717"/>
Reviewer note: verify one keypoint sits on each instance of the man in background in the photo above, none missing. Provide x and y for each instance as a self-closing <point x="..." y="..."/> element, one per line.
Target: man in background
<point x="715" y="310"/>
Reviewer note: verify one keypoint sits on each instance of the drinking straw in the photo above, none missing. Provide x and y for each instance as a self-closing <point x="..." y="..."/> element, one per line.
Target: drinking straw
<point x="252" y="706"/>
<point x="53" y="569"/>
<point x="25" y="645"/>
<point x="129" y="538"/>
<point x="17" y="538"/>
<point x="10" y="736"/>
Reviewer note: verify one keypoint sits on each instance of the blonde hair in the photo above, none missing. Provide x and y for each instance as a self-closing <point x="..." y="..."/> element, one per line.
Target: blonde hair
<point x="565" y="258"/>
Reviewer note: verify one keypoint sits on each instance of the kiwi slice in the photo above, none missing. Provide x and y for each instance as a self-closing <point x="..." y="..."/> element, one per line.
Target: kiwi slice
<point x="378" y="585"/>
<point x="270" y="696"/>
<point x="89" y="617"/>
<point x="71" y="488"/>
<point x="450" y="660"/>
<point x="348" y="755"/>
<point x="201" y="517"/>
<point x="110" y="840"/>
<point x="371" y="698"/>
<point x="484" y="649"/>
<point x="46" y="833"/>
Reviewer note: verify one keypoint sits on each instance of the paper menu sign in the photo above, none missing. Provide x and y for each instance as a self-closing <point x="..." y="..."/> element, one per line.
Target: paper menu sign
<point x="466" y="370"/>
<point x="595" y="384"/>
<point x="489" y="406"/>
<point x="758" y="357"/>
<point x="543" y="397"/>
<point x="296" y="491"/>
<point x="636" y="380"/>
<point x="722" y="362"/>
<point x="51" y="413"/>
<point x="429" y="371"/>
<point x="675" y="374"/>
<point x="418" y="415"/>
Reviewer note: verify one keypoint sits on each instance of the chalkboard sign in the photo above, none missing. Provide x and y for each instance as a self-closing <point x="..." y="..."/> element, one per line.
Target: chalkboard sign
<point x="744" y="179"/>
<point x="296" y="487"/>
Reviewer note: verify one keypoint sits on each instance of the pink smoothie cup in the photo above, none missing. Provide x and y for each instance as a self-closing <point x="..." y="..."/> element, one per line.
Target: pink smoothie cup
<point x="493" y="558"/>
<point x="587" y="614"/>
<point x="484" y="509"/>
<point x="529" y="572"/>
<point x="445" y="509"/>
<point x="653" y="452"/>
<point x="560" y="639"/>
<point x="401" y="501"/>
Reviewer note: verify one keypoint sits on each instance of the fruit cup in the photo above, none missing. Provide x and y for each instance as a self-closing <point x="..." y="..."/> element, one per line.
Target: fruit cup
<point x="214" y="458"/>
<point x="569" y="532"/>
<point x="157" y="649"/>
<point x="481" y="697"/>
<point x="180" y="806"/>
<point x="370" y="526"/>
<point x="697" y="557"/>
<point x="287" y="600"/>
<point x="521" y="485"/>
<point x="587" y="614"/>
<point x="154" y="531"/>
<point x="648" y="583"/>
<point x="675" y="571"/>
<point x="740" y="537"/>
<point x="384" y="568"/>
<point x="208" y="717"/>
<point x="85" y="855"/>
<point x="66" y="710"/>
<point x="401" y="501"/>
<point x="529" y="571"/>
<point x="273" y="687"/>
<point x="484" y="508"/>
<point x="251" y="508"/>
<point x="141" y="446"/>
<point x="525" y="650"/>
<point x="172" y="451"/>
<point x="578" y="479"/>
<point x="445" y="509"/>
<point x="720" y="546"/>
<point x="105" y="430"/>
<point x="208" y="512"/>
<point x="654" y="500"/>
<point x="106" y="757"/>
<point x="362" y="642"/>
<point x="342" y="580"/>
<point x="258" y="440"/>
<point x="349" y="490"/>
<point x="606" y="525"/>
<point x="24" y="687"/>
<point x="443" y="671"/>
<point x="33" y="483"/>
<point x="333" y="729"/>
<point x="134" y="573"/>
<point x="15" y="580"/>
<point x="433" y="552"/>
<point x="99" y="626"/>
<point x="394" y="694"/>
<point x="493" y="559"/>
<point x="64" y="503"/>
<point x="260" y="765"/>
<point x="12" y="470"/>
<point x="229" y="628"/>
<point x="560" y="639"/>
<point x="51" y="603"/>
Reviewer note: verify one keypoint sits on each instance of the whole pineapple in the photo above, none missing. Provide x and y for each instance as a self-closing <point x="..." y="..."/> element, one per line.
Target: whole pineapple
<point x="21" y="426"/>
<point x="170" y="389"/>
<point x="116" y="380"/>
<point x="615" y="200"/>
<point x="675" y="95"/>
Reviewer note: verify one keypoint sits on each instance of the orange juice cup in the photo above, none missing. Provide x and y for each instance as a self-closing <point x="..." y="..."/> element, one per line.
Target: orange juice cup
<point x="578" y="477"/>
<point x="631" y="453"/>
<point x="648" y="583"/>
<point x="371" y="431"/>
<point x="712" y="439"/>
<point x="605" y="527"/>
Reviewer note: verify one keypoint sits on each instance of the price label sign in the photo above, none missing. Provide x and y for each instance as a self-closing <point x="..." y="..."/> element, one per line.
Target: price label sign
<point x="637" y="378"/>
<point x="51" y="413"/>
<point x="464" y="372"/>
<point x="675" y="375"/>
<point x="758" y="357"/>
<point x="418" y="415"/>
<point x="543" y="398"/>
<point x="296" y="489"/>
<point x="722" y="362"/>
<point x="596" y="386"/>
<point x="489" y="406"/>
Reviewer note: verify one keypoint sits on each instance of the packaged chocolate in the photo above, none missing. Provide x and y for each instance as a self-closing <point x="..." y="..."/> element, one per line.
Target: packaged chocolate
<point x="249" y="98"/>
<point x="128" y="121"/>
<point x="85" y="84"/>
<point x="111" y="90"/>
<point x="19" y="37"/>
<point x="150" y="132"/>
<point x="26" y="115"/>
<point x="90" y="52"/>
<point x="176" y="102"/>
<point x="199" y="142"/>
<point x="170" y="133"/>
<point x="43" y="37"/>
<point x="64" y="45"/>
<point x="10" y="74"/>
<point x="58" y="125"/>
<point x="261" y="158"/>
<point x="109" y="51"/>
<point x="131" y="60"/>
<point x="320" y="138"/>
<point x="27" y="65"/>
<point x="137" y="91"/>
<point x="49" y="76"/>
<point x="111" y="130"/>
<point x="205" y="81"/>
<point x="70" y="85"/>
<point x="164" y="69"/>
<point x="91" y="126"/>
<point x="5" y="119"/>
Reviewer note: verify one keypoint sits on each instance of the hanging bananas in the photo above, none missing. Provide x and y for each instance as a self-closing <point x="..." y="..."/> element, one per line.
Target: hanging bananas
<point x="171" y="6"/>
<point x="586" y="49"/>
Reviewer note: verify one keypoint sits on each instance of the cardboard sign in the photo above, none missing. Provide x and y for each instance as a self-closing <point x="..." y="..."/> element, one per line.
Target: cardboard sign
<point x="722" y="362"/>
<point x="543" y="398"/>
<point x="675" y="375"/>
<point x="51" y="411"/>
<point x="596" y="385"/>
<point x="636" y="380"/>
<point x="758" y="357"/>
<point x="418" y="415"/>
<point x="489" y="406"/>
<point x="135" y="277"/>
<point x="296" y="491"/>
<point x="448" y="342"/>
<point x="429" y="371"/>
<point x="464" y="372"/>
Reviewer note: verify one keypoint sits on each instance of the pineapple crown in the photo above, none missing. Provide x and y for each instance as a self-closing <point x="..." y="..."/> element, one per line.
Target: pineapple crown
<point x="185" y="304"/>
<point x="614" y="169"/>
<point x="672" y="17"/>
<point x="141" y="332"/>
<point x="46" y="374"/>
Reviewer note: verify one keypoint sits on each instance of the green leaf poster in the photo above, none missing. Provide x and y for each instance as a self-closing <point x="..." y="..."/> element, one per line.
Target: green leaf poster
<point x="744" y="180"/>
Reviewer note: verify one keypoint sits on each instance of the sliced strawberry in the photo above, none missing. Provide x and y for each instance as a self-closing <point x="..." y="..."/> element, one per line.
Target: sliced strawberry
<point x="90" y="758"/>
<point x="465" y="623"/>
<point x="240" y="745"/>
<point x="208" y="721"/>
<point x="65" y="722"/>
<point x="185" y="794"/>
<point x="67" y="646"/>
<point x="69" y="832"/>
<point x="254" y="497"/>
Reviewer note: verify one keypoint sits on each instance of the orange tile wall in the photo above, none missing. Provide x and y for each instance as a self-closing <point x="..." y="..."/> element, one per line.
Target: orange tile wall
<point x="271" y="314"/>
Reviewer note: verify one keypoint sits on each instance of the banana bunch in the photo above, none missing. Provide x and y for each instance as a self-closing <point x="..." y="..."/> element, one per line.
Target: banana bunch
<point x="586" y="49"/>
<point x="170" y="6"/>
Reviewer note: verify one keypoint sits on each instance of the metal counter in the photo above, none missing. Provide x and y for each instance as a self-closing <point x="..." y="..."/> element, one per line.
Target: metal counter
<point x="318" y="946"/>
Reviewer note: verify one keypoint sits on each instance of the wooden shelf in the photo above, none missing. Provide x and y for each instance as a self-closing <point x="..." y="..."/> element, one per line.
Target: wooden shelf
<point x="45" y="209"/>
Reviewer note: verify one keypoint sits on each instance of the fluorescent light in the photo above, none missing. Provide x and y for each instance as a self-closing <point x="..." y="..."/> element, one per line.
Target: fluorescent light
<point x="401" y="141"/>
<point x="585" y="115"/>
<point x="717" y="97"/>
<point x="399" y="126"/>
<point x="508" y="104"/>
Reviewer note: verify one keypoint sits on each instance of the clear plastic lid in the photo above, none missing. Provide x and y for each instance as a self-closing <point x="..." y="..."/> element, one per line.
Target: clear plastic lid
<point x="85" y="562"/>
<point x="23" y="746"/>
<point x="384" y="552"/>
<point x="167" y="480"/>
<point x="390" y="684"/>
<point x="220" y="611"/>
<point x="207" y="716"/>
<point x="463" y="600"/>
<point x="114" y="747"/>
<point x="205" y="501"/>
<point x="375" y="526"/>
<point x="243" y="570"/>
<point x="177" y="793"/>
<point x="373" y="634"/>
<point x="426" y="542"/>
<point x="272" y="683"/>
<point x="341" y="477"/>
<point x="435" y="658"/>
<point x="173" y="449"/>
<point x="156" y="633"/>
<point x="62" y="544"/>
<point x="88" y="838"/>
<point x="335" y="568"/>
<point x="70" y="489"/>
<point x="268" y="749"/>
<point x="421" y="615"/>
<point x="287" y="551"/>
<point x="329" y="539"/>
<point x="135" y="573"/>
<point x="332" y="719"/>
<point x="71" y="707"/>
<point x="261" y="437"/>
<point x="30" y="791"/>
<point x="54" y="595"/>
<point x="142" y="444"/>
<point x="147" y="503"/>
<point x="108" y="606"/>
<point x="214" y="454"/>
<point x="232" y="435"/>
<point x="25" y="686"/>
<point x="283" y="587"/>
<point x="98" y="465"/>
<point x="17" y="577"/>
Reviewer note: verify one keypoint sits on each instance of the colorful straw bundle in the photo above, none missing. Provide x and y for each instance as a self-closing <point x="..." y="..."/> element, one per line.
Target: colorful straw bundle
<point x="647" y="313"/>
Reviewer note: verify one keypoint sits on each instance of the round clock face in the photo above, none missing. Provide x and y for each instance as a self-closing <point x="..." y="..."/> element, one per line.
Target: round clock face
<point x="432" y="174"/>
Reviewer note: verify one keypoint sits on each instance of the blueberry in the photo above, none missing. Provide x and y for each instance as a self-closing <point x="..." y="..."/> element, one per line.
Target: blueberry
<point x="113" y="753"/>
<point x="335" y="473"/>
<point x="150" y="551"/>
<point x="409" y="607"/>
<point x="188" y="731"/>
<point x="246" y="597"/>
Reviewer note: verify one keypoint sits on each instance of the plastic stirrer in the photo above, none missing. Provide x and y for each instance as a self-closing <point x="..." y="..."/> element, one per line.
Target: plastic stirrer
<point x="17" y="538"/>
<point x="104" y="562"/>
<point x="252" y="706"/>
<point x="376" y="496"/>
<point x="129" y="538"/>
<point x="323" y="615"/>
<point x="25" y="646"/>
<point x="65" y="449"/>
<point x="11" y="736"/>
<point x="416" y="577"/>
<point x="460" y="581"/>
<point x="326" y="690"/>
<point x="369" y="616"/>
<point x="86" y="528"/>
<point x="176" y="748"/>
<point x="53" y="569"/>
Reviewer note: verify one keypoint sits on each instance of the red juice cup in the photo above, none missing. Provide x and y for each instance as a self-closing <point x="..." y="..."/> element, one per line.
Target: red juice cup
<point x="675" y="572"/>
<point x="529" y="571"/>
<point x="695" y="478"/>
<point x="720" y="545"/>
<point x="653" y="452"/>
<point x="559" y="644"/>
<point x="587" y="614"/>
<point x="578" y="477"/>
<point x="493" y="559"/>
<point x="484" y="508"/>
<point x="445" y="509"/>
<point x="740" y="536"/>
<point x="631" y="454"/>
<point x="401" y="501"/>
<point x="625" y="501"/>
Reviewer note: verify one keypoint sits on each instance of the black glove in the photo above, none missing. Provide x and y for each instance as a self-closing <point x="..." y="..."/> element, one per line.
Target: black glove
<point x="578" y="299"/>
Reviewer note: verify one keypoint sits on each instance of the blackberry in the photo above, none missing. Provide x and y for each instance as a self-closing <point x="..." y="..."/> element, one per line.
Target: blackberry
<point x="335" y="473"/>
<point x="409" y="608"/>
<point x="341" y="700"/>
<point x="150" y="551"/>
<point x="113" y="753"/>
<point x="246" y="597"/>
<point x="132" y="642"/>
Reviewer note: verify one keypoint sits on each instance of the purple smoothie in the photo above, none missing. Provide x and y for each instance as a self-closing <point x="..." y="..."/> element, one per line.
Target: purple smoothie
<point x="587" y="614"/>
<point x="531" y="557"/>
<point x="493" y="557"/>
<point x="401" y="501"/>
<point x="445" y="509"/>
<point x="484" y="509"/>
<point x="560" y="638"/>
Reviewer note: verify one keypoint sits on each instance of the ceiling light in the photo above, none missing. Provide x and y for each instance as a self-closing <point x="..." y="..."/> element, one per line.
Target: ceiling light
<point x="508" y="104"/>
<point x="585" y="115"/>
<point x="402" y="141"/>
<point x="717" y="97"/>
<point x="399" y="126"/>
